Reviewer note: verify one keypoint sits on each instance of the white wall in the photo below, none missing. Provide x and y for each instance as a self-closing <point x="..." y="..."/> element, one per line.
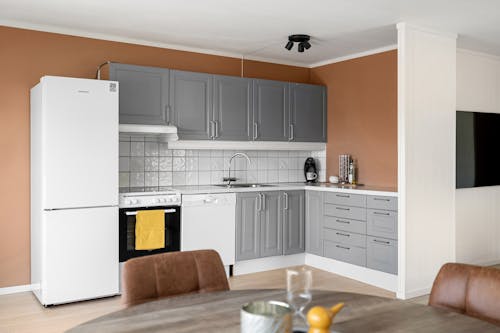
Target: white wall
<point x="426" y="156"/>
<point x="478" y="209"/>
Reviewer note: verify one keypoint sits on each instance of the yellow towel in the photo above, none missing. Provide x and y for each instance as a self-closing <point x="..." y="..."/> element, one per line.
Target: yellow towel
<point x="150" y="230"/>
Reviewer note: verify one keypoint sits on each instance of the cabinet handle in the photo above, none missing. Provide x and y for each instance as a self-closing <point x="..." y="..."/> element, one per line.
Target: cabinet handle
<point x="341" y="234"/>
<point x="380" y="213"/>
<point x="286" y="201"/>
<point x="255" y="130"/>
<point x="341" y="208"/>
<point x="216" y="128"/>
<point x="342" y="247"/>
<point x="263" y="201"/>
<point x="381" y="199"/>
<point x="341" y="221"/>
<point x="165" y="113"/>
<point x="259" y="203"/>
<point x="383" y="242"/>
<point x="290" y="137"/>
<point x="343" y="195"/>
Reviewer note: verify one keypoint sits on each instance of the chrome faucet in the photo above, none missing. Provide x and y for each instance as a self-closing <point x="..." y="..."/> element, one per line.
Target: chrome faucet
<point x="229" y="179"/>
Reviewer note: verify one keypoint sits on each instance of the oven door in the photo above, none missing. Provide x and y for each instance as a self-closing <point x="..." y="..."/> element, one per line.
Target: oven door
<point x="127" y="232"/>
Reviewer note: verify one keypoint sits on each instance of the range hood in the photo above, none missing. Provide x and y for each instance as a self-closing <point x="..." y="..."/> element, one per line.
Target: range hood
<point x="166" y="132"/>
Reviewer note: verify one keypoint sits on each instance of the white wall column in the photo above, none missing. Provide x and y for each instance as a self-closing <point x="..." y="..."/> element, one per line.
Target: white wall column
<point x="426" y="156"/>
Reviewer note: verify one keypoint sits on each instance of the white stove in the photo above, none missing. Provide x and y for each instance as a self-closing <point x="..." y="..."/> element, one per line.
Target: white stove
<point x="168" y="197"/>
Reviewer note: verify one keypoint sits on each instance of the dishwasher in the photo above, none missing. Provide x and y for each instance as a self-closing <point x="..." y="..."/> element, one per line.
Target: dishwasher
<point x="208" y="221"/>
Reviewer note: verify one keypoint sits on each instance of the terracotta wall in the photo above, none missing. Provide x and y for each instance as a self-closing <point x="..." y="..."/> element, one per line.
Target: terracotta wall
<point x="362" y="115"/>
<point x="27" y="55"/>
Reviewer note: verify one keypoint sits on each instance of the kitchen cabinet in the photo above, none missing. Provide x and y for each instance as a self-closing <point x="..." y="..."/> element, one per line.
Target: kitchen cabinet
<point x="271" y="224"/>
<point x="270" y="110"/>
<point x="293" y="222"/>
<point x="232" y="108"/>
<point x="382" y="254"/>
<point x="307" y="113"/>
<point x="190" y="104"/>
<point x="314" y="222"/>
<point x="143" y="93"/>
<point x="248" y="219"/>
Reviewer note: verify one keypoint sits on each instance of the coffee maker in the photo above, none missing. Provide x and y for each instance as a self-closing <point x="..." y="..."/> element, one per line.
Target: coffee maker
<point x="310" y="170"/>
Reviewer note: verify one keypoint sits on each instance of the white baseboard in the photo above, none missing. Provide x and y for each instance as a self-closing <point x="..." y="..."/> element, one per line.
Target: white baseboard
<point x="359" y="273"/>
<point x="266" y="264"/>
<point x="485" y="262"/>
<point x="15" y="289"/>
<point x="415" y="293"/>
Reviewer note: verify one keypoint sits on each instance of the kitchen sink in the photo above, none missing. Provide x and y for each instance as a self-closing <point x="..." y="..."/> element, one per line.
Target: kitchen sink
<point x="245" y="185"/>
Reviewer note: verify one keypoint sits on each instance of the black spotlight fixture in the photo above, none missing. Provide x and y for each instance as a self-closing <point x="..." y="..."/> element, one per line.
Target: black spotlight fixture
<point x="303" y="41"/>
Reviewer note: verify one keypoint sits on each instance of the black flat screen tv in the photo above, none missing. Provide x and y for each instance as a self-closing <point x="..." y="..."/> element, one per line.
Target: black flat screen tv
<point x="478" y="149"/>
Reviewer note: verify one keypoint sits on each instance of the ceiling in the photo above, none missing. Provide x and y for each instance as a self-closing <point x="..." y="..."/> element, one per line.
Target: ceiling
<point x="258" y="29"/>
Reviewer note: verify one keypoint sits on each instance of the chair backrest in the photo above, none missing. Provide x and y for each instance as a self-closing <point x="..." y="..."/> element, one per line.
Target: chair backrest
<point x="168" y="274"/>
<point x="468" y="289"/>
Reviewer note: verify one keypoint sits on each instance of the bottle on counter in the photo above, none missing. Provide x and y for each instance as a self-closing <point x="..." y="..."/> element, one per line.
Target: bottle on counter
<point x="352" y="177"/>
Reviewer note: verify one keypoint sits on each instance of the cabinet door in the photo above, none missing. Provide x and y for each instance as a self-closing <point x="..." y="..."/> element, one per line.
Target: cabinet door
<point x="271" y="225"/>
<point x="314" y="225"/>
<point x="247" y="226"/>
<point x="382" y="254"/>
<point x="191" y="104"/>
<point x="307" y="113"/>
<point x="143" y="93"/>
<point x="232" y="108"/>
<point x="270" y="110"/>
<point x="293" y="222"/>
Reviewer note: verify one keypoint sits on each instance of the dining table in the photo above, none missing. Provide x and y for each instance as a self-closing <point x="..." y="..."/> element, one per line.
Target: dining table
<point x="220" y="312"/>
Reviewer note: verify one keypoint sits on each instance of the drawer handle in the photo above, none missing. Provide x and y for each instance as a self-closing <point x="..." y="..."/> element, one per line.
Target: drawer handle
<point x="343" y="195"/>
<point x="341" y="234"/>
<point x="380" y="213"/>
<point x="340" y="208"/>
<point x="381" y="199"/>
<point x="342" y="247"/>
<point x="383" y="242"/>
<point x="346" y="222"/>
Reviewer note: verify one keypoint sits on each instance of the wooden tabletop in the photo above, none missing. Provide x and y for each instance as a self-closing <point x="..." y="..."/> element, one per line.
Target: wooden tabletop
<point x="220" y="312"/>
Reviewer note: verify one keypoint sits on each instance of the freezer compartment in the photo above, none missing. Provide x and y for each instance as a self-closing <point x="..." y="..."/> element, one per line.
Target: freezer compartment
<point x="79" y="254"/>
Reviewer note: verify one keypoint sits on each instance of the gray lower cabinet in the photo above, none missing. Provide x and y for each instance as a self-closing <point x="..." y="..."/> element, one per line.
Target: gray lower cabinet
<point x="382" y="223"/>
<point x="270" y="110"/>
<point x="143" y="93"/>
<point x="232" y="108"/>
<point x="346" y="253"/>
<point x="271" y="226"/>
<point x="314" y="222"/>
<point x="190" y="105"/>
<point x="307" y="113"/>
<point x="293" y="222"/>
<point x="247" y="226"/>
<point x="382" y="254"/>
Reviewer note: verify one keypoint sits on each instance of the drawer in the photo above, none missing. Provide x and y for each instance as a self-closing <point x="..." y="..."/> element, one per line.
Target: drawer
<point x="382" y="254"/>
<point x="346" y="199"/>
<point x="338" y="223"/>
<point x="382" y="223"/>
<point x="344" y="237"/>
<point x="381" y="202"/>
<point x="353" y="213"/>
<point x="350" y="254"/>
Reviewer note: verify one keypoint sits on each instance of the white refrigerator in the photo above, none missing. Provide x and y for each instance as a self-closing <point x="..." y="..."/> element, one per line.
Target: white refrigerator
<point x="74" y="189"/>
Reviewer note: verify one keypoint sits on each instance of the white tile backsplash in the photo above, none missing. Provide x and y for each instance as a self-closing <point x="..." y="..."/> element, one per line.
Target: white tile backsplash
<point x="148" y="162"/>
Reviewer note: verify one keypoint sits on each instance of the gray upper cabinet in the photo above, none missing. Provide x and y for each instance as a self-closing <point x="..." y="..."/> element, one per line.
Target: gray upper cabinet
<point x="270" y="110"/>
<point x="247" y="226"/>
<point x="314" y="222"/>
<point x="307" y="113"/>
<point x="271" y="224"/>
<point x="232" y="108"/>
<point x="143" y="93"/>
<point x="190" y="104"/>
<point x="293" y="222"/>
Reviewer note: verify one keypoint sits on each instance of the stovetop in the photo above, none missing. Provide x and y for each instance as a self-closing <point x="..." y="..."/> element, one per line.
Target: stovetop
<point x="148" y="196"/>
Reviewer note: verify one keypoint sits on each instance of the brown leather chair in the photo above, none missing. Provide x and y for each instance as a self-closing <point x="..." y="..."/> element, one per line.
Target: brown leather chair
<point x="467" y="289"/>
<point x="174" y="273"/>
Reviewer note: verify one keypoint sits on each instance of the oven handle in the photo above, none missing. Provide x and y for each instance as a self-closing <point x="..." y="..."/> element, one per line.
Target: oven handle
<point x="166" y="211"/>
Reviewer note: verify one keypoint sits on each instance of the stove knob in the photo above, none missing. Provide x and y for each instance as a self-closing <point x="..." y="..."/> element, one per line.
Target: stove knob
<point x="157" y="200"/>
<point x="128" y="202"/>
<point x="136" y="201"/>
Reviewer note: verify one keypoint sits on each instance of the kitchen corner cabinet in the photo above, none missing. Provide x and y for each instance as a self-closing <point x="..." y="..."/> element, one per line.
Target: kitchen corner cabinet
<point x="190" y="104"/>
<point x="314" y="222"/>
<point x="270" y="110"/>
<point x="232" y="108"/>
<point x="143" y="93"/>
<point x="307" y="113"/>
<point x="247" y="226"/>
<point x="271" y="225"/>
<point x="293" y="222"/>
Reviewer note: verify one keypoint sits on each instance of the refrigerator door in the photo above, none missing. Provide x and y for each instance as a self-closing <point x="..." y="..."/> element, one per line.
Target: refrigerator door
<point x="80" y="254"/>
<point x="79" y="142"/>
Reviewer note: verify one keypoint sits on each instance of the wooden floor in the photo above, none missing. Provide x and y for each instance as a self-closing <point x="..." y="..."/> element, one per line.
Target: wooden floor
<point x="21" y="313"/>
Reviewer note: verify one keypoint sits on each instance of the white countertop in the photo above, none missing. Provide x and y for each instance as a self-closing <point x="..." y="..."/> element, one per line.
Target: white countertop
<point x="359" y="189"/>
